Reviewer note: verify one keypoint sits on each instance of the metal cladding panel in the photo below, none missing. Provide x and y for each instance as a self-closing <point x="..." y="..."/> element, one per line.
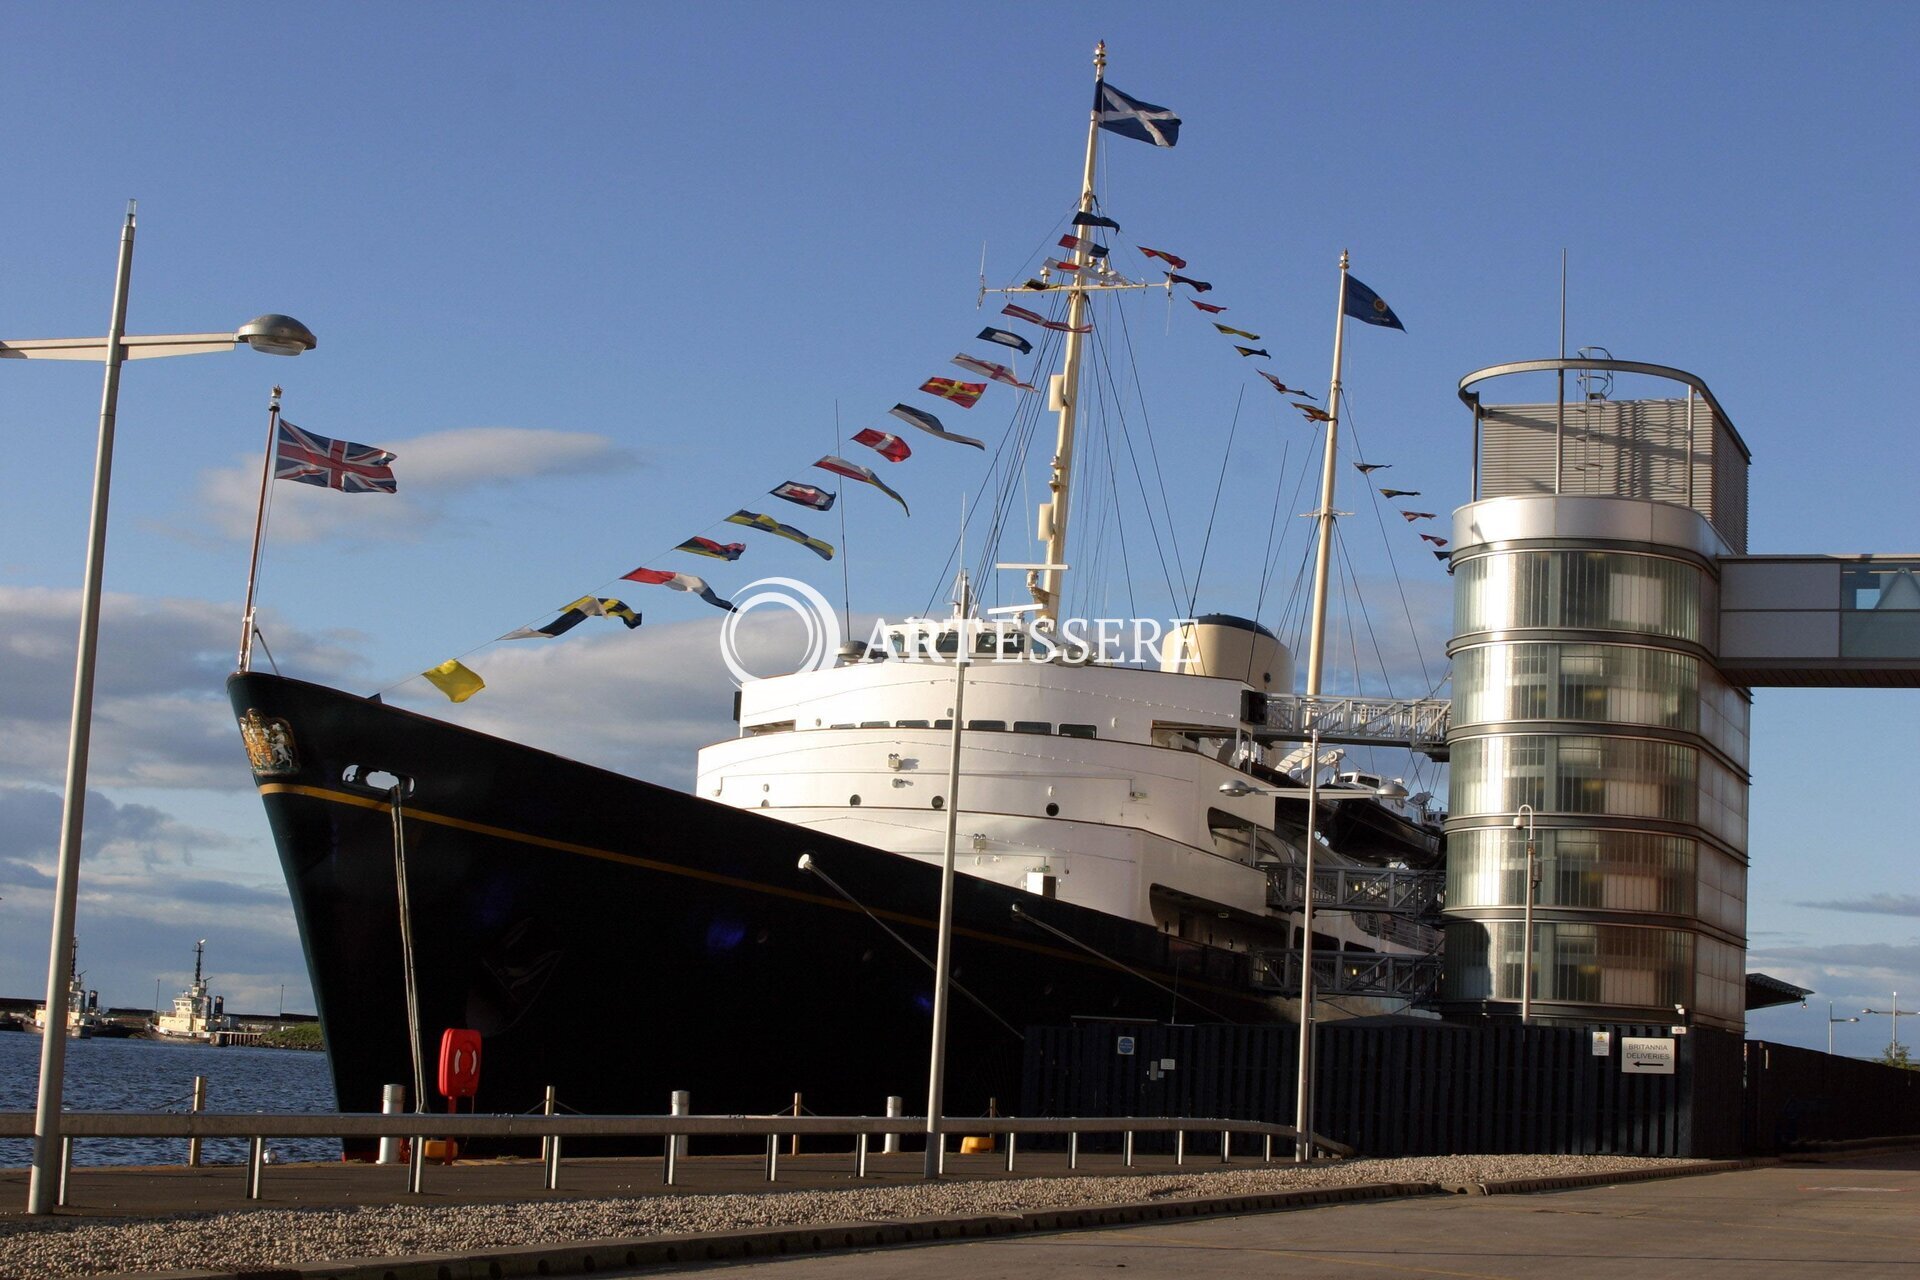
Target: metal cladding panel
<point x="1671" y="451"/>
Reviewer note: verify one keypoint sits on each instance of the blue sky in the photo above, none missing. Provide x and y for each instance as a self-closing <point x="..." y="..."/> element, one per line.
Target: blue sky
<point x="600" y="274"/>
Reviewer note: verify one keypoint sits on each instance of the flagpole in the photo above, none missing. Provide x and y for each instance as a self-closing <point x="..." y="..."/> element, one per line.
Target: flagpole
<point x="1323" y="553"/>
<point x="259" y="527"/>
<point x="1045" y="583"/>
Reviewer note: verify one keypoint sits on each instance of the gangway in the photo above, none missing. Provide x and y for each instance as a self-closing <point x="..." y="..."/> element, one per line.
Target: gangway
<point x="1379" y="889"/>
<point x="1348" y="973"/>
<point x="1417" y="723"/>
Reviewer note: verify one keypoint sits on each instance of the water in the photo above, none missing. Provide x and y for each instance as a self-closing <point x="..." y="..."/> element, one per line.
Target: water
<point x="157" y="1075"/>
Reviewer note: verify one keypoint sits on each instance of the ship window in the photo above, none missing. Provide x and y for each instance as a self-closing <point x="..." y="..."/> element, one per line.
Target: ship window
<point x="915" y="724"/>
<point x="854" y="801"/>
<point x="848" y="725"/>
<point x="1053" y="810"/>
<point x="987" y="724"/>
<point x="1032" y="726"/>
<point x="943" y="724"/>
<point x="1079" y="731"/>
<point x="939" y="802"/>
<point x="946" y="642"/>
<point x="875" y="724"/>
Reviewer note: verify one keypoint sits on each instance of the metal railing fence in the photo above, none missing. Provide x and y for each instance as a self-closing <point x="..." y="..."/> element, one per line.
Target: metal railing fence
<point x="554" y="1129"/>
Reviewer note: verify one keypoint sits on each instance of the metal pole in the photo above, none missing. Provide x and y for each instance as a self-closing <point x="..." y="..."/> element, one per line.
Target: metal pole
<point x="794" y="1148"/>
<point x="66" y="1163"/>
<point x="43" y="1182"/>
<point x="259" y="526"/>
<point x="1526" y="959"/>
<point x="1560" y="375"/>
<point x="406" y="949"/>
<point x="199" y="1104"/>
<point x="679" y="1103"/>
<point x="1316" y="642"/>
<point x="896" y="1106"/>
<point x="1303" y="1101"/>
<point x="1073" y="1151"/>
<point x="943" y="951"/>
<point x="393" y="1101"/>
<point x="256" y="1159"/>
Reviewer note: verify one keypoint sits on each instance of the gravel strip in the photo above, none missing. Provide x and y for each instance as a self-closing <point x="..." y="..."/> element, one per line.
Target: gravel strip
<point x="37" y="1247"/>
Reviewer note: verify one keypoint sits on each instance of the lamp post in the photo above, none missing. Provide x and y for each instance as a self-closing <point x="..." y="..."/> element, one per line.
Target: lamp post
<point x="1831" y="1020"/>
<point x="1524" y="818"/>
<point x="1303" y="1100"/>
<point x="934" y="1164"/>
<point x="1894" y="1042"/>
<point x="273" y="334"/>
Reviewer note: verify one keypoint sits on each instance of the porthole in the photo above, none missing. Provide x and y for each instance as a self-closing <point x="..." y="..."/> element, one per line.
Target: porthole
<point x="1053" y="810"/>
<point x="854" y="801"/>
<point x="939" y="802"/>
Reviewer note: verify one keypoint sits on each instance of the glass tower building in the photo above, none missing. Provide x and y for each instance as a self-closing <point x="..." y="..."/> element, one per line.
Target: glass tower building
<point x="1590" y="714"/>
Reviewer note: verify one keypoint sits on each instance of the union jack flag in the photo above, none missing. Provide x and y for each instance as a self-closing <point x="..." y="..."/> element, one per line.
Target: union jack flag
<point x="332" y="464"/>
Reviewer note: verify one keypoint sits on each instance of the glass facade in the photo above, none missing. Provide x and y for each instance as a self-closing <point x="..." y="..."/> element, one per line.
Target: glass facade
<point x="1631" y="754"/>
<point x="1581" y="591"/>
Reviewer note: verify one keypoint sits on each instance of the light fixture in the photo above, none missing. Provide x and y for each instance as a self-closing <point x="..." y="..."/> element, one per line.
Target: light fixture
<point x="277" y="335"/>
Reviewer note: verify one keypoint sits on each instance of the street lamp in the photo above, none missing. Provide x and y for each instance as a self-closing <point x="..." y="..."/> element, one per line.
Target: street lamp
<point x="1303" y="1100"/>
<point x="1831" y="1020"/>
<point x="1898" y="1013"/>
<point x="273" y="334"/>
<point x="1524" y="818"/>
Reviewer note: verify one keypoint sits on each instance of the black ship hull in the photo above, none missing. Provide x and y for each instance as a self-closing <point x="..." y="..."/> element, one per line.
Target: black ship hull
<point x="619" y="940"/>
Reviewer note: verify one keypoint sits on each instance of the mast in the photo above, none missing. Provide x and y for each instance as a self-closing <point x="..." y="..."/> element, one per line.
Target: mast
<point x="1316" y="646"/>
<point x="1064" y="391"/>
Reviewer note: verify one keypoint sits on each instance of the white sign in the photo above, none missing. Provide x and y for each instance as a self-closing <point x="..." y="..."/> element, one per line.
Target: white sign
<point x="1646" y="1056"/>
<point x="1166" y="1064"/>
<point x="1602" y="1044"/>
<point x="1124" y="1047"/>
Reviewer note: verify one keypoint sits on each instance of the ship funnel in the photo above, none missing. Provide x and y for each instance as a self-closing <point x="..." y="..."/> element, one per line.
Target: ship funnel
<point x="1219" y="644"/>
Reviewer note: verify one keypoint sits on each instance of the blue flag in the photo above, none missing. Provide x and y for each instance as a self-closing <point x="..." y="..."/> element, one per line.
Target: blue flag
<point x="1365" y="305"/>
<point x="1131" y="118"/>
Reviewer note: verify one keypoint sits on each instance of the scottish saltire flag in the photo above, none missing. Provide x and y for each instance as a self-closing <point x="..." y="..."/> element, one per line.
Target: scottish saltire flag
<point x="717" y="550"/>
<point x="575" y="614"/>
<point x="887" y="445"/>
<point x="1238" y="333"/>
<point x="1251" y="351"/>
<point x="1034" y="317"/>
<point x="1094" y="220"/>
<point x="1178" y="264"/>
<point x="998" y="372"/>
<point x="1207" y="307"/>
<point x="1199" y="286"/>
<point x="804" y="494"/>
<point x="854" y="471"/>
<point x="931" y="425"/>
<point x="1006" y="338"/>
<point x="767" y="524"/>
<point x="458" y="682"/>
<point x="332" y="464"/>
<point x="964" y="394"/>
<point x="1365" y="305"/>
<point x="679" y="582"/>
<point x="1132" y="118"/>
<point x="1081" y="242"/>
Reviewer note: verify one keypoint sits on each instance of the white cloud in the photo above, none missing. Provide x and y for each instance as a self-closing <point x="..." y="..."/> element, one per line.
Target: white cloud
<point x="432" y="469"/>
<point x="160" y="711"/>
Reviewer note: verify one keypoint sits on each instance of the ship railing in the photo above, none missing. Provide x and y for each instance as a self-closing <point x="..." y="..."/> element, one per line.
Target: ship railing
<point x="1392" y="890"/>
<point x="1418" y="723"/>
<point x="1349" y="973"/>
<point x="416" y="1128"/>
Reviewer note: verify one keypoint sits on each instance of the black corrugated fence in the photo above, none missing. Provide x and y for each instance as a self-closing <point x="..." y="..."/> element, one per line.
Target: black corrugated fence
<point x="1448" y="1089"/>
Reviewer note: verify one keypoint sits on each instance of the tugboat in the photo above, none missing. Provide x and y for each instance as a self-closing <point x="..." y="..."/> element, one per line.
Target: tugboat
<point x="84" y="1019"/>
<point x="196" y="1014"/>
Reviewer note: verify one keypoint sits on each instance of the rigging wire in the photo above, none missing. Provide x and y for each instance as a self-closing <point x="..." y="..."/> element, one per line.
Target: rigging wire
<point x="1206" y="542"/>
<point x="846" y="550"/>
<point x="1146" y="425"/>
